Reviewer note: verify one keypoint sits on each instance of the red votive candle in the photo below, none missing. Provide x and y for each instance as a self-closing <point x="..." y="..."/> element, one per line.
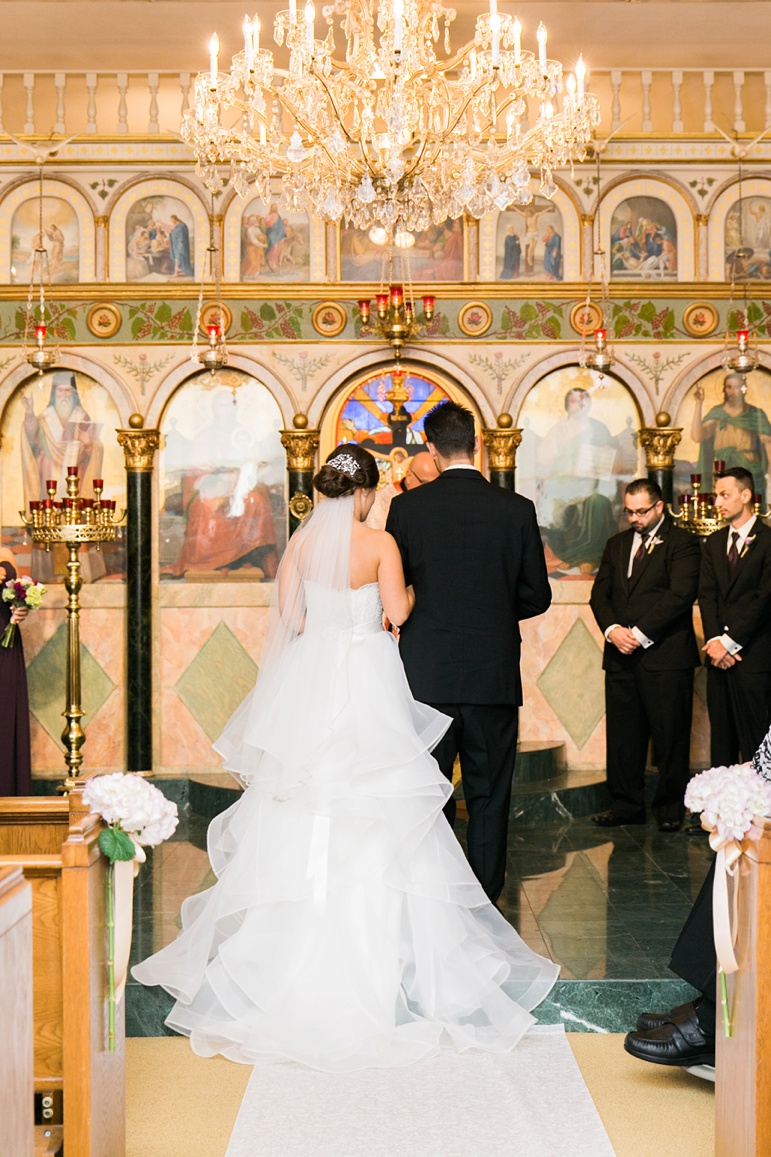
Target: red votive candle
<point x="98" y="483"/>
<point x="382" y="302"/>
<point x="72" y="471"/>
<point x="51" y="484"/>
<point x="397" y="295"/>
<point x="695" y="479"/>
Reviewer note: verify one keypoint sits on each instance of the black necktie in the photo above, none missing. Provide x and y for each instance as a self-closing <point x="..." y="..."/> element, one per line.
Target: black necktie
<point x="733" y="550"/>
<point x="639" y="557"/>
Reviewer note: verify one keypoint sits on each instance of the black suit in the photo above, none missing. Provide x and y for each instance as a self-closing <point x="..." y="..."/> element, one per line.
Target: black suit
<point x="737" y="602"/>
<point x="474" y="555"/>
<point x="649" y="693"/>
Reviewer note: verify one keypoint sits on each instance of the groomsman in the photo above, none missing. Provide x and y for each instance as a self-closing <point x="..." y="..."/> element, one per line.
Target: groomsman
<point x="735" y="602"/>
<point x="643" y="599"/>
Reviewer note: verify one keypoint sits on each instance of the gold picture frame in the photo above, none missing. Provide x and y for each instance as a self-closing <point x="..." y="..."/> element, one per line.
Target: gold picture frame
<point x="701" y="319"/>
<point x="329" y="318"/>
<point x="212" y="309"/>
<point x="104" y="319"/>
<point x="586" y="317"/>
<point x="475" y="318"/>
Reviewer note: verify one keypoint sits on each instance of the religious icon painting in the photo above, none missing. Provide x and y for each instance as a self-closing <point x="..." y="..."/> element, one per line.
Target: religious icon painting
<point x="434" y="254"/>
<point x="275" y="244"/>
<point x="329" y="319"/>
<point x="700" y="319"/>
<point x="578" y="452"/>
<point x="384" y="413"/>
<point x="528" y="243"/>
<point x="104" y="320"/>
<point x="725" y="418"/>
<point x="60" y="237"/>
<point x="475" y="318"/>
<point x="748" y="240"/>
<point x="160" y="240"/>
<point x="222" y="469"/>
<point x="60" y="419"/>
<point x="643" y="240"/>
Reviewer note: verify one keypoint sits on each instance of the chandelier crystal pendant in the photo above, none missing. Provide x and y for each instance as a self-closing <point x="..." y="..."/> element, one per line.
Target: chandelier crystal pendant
<point x="40" y="356"/>
<point x="389" y="128"/>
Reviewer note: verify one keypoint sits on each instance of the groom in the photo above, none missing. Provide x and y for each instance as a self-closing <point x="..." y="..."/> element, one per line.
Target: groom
<point x="474" y="556"/>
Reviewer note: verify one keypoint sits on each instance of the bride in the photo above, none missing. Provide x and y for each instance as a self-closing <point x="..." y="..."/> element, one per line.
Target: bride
<point x="346" y="929"/>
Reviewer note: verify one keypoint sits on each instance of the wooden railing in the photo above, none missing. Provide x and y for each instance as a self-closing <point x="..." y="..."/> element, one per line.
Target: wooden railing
<point x="652" y="102"/>
<point x="55" y="843"/>
<point x="16" y="1106"/>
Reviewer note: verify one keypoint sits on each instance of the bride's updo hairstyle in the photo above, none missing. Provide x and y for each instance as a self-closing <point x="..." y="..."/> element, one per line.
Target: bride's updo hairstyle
<point x="347" y="468"/>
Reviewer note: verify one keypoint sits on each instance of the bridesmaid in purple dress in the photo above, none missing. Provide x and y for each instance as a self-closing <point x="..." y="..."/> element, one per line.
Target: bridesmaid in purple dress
<point x="15" y="760"/>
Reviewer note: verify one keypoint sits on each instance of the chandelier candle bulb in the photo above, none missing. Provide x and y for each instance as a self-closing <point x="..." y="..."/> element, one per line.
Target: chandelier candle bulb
<point x="310" y="17"/>
<point x="256" y="34"/>
<point x="495" y="28"/>
<point x="292" y="12"/>
<point x="398" y="24"/>
<point x="214" y="51"/>
<point x="580" y="77"/>
<point x="248" y="43"/>
<point x="542" y="36"/>
<point x="517" y="41"/>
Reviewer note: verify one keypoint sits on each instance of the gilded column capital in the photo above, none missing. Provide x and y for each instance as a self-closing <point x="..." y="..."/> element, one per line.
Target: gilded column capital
<point x="139" y="445"/>
<point x="702" y="218"/>
<point x="587" y="218"/>
<point x="101" y="222"/>
<point x="301" y="447"/>
<point x="659" y="444"/>
<point x="501" y="446"/>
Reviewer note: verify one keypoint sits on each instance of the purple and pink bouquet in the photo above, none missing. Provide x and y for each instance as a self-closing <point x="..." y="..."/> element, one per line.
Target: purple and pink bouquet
<point x="20" y="592"/>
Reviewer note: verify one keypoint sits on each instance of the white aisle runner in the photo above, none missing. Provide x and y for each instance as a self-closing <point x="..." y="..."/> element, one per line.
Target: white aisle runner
<point x="532" y="1102"/>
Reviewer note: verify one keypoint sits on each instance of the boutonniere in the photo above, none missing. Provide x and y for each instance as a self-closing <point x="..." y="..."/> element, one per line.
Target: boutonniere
<point x="747" y="544"/>
<point x="654" y="542"/>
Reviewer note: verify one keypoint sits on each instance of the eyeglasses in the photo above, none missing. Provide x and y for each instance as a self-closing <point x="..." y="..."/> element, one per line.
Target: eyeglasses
<point x="639" y="513"/>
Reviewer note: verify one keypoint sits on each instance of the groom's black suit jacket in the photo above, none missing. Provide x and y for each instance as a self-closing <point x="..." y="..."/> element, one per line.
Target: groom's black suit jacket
<point x="474" y="555"/>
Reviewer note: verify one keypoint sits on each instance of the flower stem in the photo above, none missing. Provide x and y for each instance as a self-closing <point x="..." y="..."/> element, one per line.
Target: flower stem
<point x="9" y="634"/>
<point x="724" y="1004"/>
<point x="111" y="954"/>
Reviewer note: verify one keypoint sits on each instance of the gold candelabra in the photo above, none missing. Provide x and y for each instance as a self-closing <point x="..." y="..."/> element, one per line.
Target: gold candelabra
<point x="73" y="521"/>
<point x="395" y="320"/>
<point x="698" y="513"/>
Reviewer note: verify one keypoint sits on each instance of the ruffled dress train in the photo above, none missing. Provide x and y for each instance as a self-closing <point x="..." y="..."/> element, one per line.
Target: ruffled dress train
<point x="345" y="929"/>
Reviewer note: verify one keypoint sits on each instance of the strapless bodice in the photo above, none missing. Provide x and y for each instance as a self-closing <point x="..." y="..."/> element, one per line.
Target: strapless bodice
<point x="366" y="609"/>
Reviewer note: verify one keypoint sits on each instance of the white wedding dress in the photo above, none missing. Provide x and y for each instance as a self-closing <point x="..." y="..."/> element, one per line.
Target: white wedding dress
<point x="346" y="929"/>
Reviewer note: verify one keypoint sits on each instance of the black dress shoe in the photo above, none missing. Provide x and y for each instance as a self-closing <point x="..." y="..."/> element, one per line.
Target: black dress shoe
<point x="678" y="1042"/>
<point x="670" y="825"/>
<point x="649" y="1020"/>
<point x="610" y="820"/>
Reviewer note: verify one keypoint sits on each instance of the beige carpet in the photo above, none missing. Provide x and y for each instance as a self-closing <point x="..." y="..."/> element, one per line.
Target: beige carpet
<point x="181" y="1106"/>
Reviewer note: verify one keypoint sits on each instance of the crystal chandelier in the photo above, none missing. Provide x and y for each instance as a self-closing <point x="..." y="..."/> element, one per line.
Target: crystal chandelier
<point x="39" y="356"/>
<point x="389" y="129"/>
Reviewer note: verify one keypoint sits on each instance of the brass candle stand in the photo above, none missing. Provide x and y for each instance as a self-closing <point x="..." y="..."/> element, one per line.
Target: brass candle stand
<point x="698" y="513"/>
<point x="73" y="521"/>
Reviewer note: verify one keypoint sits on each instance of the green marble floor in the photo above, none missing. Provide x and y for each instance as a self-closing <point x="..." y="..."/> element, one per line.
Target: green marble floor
<point x="608" y="905"/>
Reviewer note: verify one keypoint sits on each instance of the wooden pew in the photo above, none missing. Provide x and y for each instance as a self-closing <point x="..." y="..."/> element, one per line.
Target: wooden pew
<point x="743" y="1062"/>
<point x="54" y="841"/>
<point x="16" y="1098"/>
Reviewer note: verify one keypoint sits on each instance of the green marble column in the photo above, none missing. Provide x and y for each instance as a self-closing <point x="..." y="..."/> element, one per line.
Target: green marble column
<point x="301" y="445"/>
<point x="139" y="446"/>
<point x="659" y="443"/>
<point x="501" y="445"/>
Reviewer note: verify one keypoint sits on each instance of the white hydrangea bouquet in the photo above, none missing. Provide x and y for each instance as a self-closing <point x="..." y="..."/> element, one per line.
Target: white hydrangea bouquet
<point x="21" y="592"/>
<point x="733" y="802"/>
<point x="730" y="800"/>
<point x="137" y="816"/>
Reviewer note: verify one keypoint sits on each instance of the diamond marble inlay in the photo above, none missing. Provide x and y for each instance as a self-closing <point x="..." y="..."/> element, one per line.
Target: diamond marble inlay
<point x="46" y="680"/>
<point x="573" y="683"/>
<point x="217" y="680"/>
